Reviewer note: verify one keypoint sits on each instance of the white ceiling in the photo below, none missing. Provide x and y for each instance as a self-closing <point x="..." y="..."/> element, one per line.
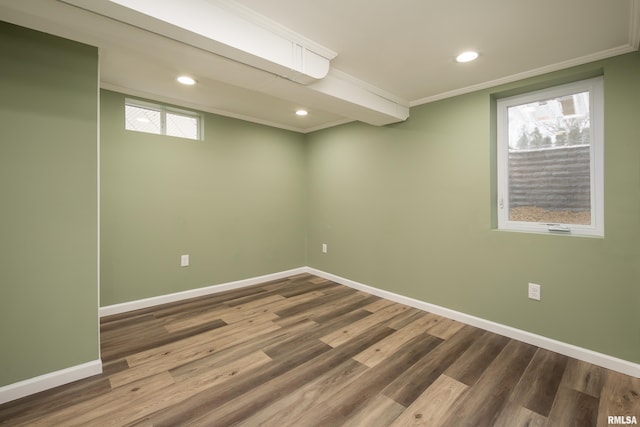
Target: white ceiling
<point x="390" y="55"/>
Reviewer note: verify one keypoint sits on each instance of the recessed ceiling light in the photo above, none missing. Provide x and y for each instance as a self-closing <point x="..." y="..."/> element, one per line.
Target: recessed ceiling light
<point x="467" y="56"/>
<point x="186" y="80"/>
<point x="301" y="113"/>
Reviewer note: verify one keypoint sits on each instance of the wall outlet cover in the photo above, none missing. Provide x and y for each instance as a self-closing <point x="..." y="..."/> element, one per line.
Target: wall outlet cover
<point x="534" y="291"/>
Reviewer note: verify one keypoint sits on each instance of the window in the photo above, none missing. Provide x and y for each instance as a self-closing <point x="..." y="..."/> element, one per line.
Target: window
<point x="151" y="118"/>
<point x="550" y="160"/>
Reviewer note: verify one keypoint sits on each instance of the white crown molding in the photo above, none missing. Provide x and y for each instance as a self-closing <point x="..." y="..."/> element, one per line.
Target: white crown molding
<point x="527" y="74"/>
<point x="47" y="381"/>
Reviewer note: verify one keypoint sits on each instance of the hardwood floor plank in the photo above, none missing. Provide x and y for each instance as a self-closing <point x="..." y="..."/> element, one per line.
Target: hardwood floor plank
<point x="82" y="414"/>
<point x="316" y="279"/>
<point x="432" y="407"/>
<point x="206" y="302"/>
<point x="293" y="301"/>
<point x="137" y="410"/>
<point x="379" y="411"/>
<point x="286" y="346"/>
<point x="353" y="397"/>
<point x="182" y="353"/>
<point x="199" y="405"/>
<point x="322" y="313"/>
<point x="514" y="415"/>
<point x="385" y="348"/>
<point x="415" y="380"/>
<point x="406" y="318"/>
<point x="294" y="405"/>
<point x="357" y="302"/>
<point x="228" y="333"/>
<point x="266" y="393"/>
<point x="446" y="328"/>
<point x="378" y="305"/>
<point x="304" y="286"/>
<point x="484" y="401"/>
<point x="146" y="340"/>
<point x="620" y="396"/>
<point x="343" y="335"/>
<point x="539" y="383"/>
<point x="56" y="399"/>
<point x="475" y="360"/>
<point x="121" y="324"/>
<point x="584" y="377"/>
<point x="310" y="305"/>
<point x="572" y="408"/>
<point x="238" y="349"/>
<point x="249" y="309"/>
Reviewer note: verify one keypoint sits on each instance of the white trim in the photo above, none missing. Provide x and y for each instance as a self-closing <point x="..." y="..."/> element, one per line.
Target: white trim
<point x="193" y="293"/>
<point x="595" y="87"/>
<point x="165" y="110"/>
<point x="590" y="356"/>
<point x="98" y="207"/>
<point x="47" y="381"/>
<point x="621" y="50"/>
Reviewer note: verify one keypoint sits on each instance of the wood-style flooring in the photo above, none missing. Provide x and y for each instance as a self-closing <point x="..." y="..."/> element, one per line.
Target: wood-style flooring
<point x="305" y="351"/>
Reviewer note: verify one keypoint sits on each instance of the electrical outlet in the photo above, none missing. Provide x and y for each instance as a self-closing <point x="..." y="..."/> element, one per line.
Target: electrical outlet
<point x="534" y="291"/>
<point x="324" y="248"/>
<point x="184" y="261"/>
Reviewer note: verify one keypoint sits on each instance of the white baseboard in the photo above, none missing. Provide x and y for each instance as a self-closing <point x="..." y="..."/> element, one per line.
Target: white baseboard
<point x="193" y="293"/>
<point x="53" y="379"/>
<point x="590" y="356"/>
<point x="600" y="359"/>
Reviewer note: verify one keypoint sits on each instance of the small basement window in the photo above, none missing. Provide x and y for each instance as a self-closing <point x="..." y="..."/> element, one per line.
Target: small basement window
<point x="550" y="160"/>
<point x="146" y="117"/>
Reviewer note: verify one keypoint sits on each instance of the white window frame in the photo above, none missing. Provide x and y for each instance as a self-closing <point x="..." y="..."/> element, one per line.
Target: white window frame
<point x="163" y="110"/>
<point x="595" y="86"/>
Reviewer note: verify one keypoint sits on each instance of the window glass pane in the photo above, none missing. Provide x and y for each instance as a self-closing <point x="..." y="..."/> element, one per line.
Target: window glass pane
<point x="143" y="119"/>
<point x="182" y="126"/>
<point x="549" y="164"/>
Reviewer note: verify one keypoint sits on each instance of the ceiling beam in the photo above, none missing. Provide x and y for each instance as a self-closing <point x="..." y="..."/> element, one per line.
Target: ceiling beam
<point x="230" y="30"/>
<point x="224" y="28"/>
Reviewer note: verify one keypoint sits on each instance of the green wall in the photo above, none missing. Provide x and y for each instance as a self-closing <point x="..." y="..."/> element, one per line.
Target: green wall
<point x="48" y="213"/>
<point x="235" y="202"/>
<point x="409" y="208"/>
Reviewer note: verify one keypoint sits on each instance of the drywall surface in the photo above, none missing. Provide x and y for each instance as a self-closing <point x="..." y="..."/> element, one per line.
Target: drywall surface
<point x="234" y="202"/>
<point x="411" y="208"/>
<point x="49" y="213"/>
